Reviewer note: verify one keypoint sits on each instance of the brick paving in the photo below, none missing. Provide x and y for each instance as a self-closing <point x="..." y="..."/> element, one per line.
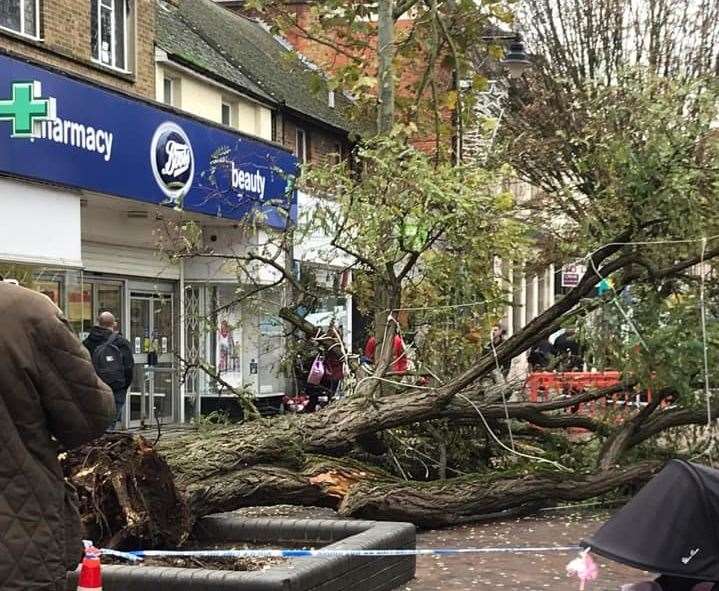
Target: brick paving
<point x="501" y="572"/>
<point x="514" y="572"/>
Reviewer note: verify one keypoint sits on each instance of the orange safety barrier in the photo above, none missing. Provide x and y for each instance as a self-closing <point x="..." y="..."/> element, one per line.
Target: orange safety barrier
<point x="542" y="383"/>
<point x="544" y="386"/>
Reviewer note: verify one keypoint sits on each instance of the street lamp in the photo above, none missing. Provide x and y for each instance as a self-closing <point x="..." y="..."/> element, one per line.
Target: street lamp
<point x="516" y="61"/>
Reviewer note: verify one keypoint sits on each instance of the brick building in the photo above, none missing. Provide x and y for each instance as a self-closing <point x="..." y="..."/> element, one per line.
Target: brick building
<point x="123" y="117"/>
<point x="310" y="119"/>
<point x="65" y="34"/>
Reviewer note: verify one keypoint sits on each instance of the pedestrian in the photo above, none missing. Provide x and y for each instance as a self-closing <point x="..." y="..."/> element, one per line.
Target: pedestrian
<point x="498" y="337"/>
<point x="568" y="351"/>
<point x="540" y="356"/>
<point x="334" y="360"/>
<point x="50" y="400"/>
<point x="112" y="357"/>
<point x="400" y="362"/>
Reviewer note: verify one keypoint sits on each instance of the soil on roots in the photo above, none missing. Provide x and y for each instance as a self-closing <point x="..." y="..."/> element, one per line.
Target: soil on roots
<point x="127" y="493"/>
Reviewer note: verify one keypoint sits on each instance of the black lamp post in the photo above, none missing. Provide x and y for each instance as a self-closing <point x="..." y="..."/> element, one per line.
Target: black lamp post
<point x="516" y="60"/>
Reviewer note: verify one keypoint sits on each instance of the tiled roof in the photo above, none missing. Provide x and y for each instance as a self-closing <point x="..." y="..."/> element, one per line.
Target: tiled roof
<point x="176" y="38"/>
<point x="232" y="45"/>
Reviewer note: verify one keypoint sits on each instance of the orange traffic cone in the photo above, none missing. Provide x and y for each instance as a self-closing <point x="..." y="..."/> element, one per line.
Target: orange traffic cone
<point x="90" y="576"/>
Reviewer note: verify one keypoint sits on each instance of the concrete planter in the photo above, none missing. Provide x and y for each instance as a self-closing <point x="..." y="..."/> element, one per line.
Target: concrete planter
<point x="301" y="574"/>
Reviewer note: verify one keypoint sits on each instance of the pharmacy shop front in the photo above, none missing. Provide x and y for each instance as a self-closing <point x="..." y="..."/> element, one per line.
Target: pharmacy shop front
<point x="89" y="181"/>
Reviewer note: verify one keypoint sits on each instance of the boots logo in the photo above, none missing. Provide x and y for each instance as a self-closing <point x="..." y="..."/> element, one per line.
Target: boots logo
<point x="172" y="160"/>
<point x="26" y="109"/>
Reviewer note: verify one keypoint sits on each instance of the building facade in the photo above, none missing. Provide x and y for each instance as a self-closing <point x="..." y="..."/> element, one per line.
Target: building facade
<point x="93" y="166"/>
<point x="87" y="199"/>
<point x="232" y="69"/>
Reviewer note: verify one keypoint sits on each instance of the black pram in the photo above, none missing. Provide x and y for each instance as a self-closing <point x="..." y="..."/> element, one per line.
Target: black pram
<point x="671" y="527"/>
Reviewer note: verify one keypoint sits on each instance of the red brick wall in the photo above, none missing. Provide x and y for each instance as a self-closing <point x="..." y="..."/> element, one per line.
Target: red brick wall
<point x="65" y="44"/>
<point x="331" y="60"/>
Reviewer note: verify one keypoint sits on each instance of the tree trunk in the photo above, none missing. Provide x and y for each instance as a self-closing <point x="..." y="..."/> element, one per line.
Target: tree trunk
<point x="385" y="66"/>
<point x="128" y="497"/>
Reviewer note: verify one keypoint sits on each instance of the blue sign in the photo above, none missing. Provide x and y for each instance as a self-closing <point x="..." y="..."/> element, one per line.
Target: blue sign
<point x="94" y="139"/>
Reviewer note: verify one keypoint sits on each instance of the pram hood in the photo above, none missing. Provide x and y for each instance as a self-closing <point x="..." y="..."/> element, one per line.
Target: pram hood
<point x="670" y="527"/>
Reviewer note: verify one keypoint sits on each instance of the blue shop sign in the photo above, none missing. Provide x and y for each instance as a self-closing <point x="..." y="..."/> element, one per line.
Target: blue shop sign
<point x="56" y="129"/>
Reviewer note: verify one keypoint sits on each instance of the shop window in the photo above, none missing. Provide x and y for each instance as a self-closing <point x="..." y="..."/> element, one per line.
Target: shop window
<point x="301" y="145"/>
<point x="111" y="32"/>
<point x="21" y="16"/>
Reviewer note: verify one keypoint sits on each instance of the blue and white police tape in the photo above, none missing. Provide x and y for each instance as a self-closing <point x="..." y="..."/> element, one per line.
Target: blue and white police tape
<point x="294" y="553"/>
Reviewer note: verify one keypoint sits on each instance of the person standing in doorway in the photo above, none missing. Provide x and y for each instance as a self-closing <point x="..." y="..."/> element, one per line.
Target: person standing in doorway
<point x="112" y="357"/>
<point x="51" y="400"/>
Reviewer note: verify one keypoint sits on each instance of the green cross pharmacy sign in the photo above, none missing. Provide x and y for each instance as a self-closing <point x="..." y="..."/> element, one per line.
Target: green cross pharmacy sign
<point x="25" y="108"/>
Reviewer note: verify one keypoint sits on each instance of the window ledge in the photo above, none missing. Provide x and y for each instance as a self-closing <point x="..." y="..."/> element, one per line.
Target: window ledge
<point x="112" y="69"/>
<point x="24" y="37"/>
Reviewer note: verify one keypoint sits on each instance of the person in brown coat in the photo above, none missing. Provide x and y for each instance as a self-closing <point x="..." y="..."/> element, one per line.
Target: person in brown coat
<point x="50" y="400"/>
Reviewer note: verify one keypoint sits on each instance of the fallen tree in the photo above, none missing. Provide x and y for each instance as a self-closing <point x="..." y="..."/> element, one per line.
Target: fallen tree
<point x="414" y="229"/>
<point x="134" y="493"/>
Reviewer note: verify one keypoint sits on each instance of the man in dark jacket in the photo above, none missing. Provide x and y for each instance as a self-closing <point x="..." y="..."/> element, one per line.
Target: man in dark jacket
<point x="50" y="398"/>
<point x="568" y="351"/>
<point x="101" y="334"/>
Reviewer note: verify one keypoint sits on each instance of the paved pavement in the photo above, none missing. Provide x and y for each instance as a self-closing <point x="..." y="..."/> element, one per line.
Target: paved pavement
<point x="514" y="572"/>
<point x="523" y="572"/>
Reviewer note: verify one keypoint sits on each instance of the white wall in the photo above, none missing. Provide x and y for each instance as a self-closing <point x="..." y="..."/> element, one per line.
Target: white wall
<point x="202" y="97"/>
<point x="39" y="224"/>
<point x="233" y="242"/>
<point x="110" y="224"/>
<point x="113" y="242"/>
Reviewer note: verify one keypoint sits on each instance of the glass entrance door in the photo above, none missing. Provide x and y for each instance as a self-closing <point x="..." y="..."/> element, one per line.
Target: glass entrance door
<point x="90" y="296"/>
<point x="152" y="336"/>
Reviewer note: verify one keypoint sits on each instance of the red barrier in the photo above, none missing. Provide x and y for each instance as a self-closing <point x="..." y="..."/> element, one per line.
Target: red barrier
<point x="544" y="386"/>
<point x="542" y="383"/>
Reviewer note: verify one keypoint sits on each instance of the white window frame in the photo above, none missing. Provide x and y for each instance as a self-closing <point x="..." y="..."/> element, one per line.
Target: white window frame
<point x="112" y="9"/>
<point x="302" y="155"/>
<point x="225" y="103"/>
<point x="36" y="33"/>
<point x="173" y="94"/>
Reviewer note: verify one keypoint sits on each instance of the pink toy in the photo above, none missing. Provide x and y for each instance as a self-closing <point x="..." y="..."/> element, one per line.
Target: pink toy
<point x="584" y="567"/>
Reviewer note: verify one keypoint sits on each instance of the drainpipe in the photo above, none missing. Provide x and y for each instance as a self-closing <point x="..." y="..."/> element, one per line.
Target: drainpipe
<point x="182" y="336"/>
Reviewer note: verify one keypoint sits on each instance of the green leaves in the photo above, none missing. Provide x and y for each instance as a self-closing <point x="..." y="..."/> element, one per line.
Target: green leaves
<point x="433" y="228"/>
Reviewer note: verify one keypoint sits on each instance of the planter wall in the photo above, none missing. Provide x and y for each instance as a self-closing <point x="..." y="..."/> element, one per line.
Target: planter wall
<point x="346" y="573"/>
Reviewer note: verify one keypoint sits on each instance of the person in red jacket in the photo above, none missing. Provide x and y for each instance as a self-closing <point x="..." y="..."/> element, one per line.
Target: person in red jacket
<point x="400" y="362"/>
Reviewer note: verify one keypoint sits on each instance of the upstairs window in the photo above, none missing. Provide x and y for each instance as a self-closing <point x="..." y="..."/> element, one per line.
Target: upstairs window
<point x="21" y="16"/>
<point x="110" y="32"/>
<point x="226" y="114"/>
<point x="337" y="155"/>
<point x="229" y="112"/>
<point x="301" y="146"/>
<point x="274" y="124"/>
<point x="170" y="91"/>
